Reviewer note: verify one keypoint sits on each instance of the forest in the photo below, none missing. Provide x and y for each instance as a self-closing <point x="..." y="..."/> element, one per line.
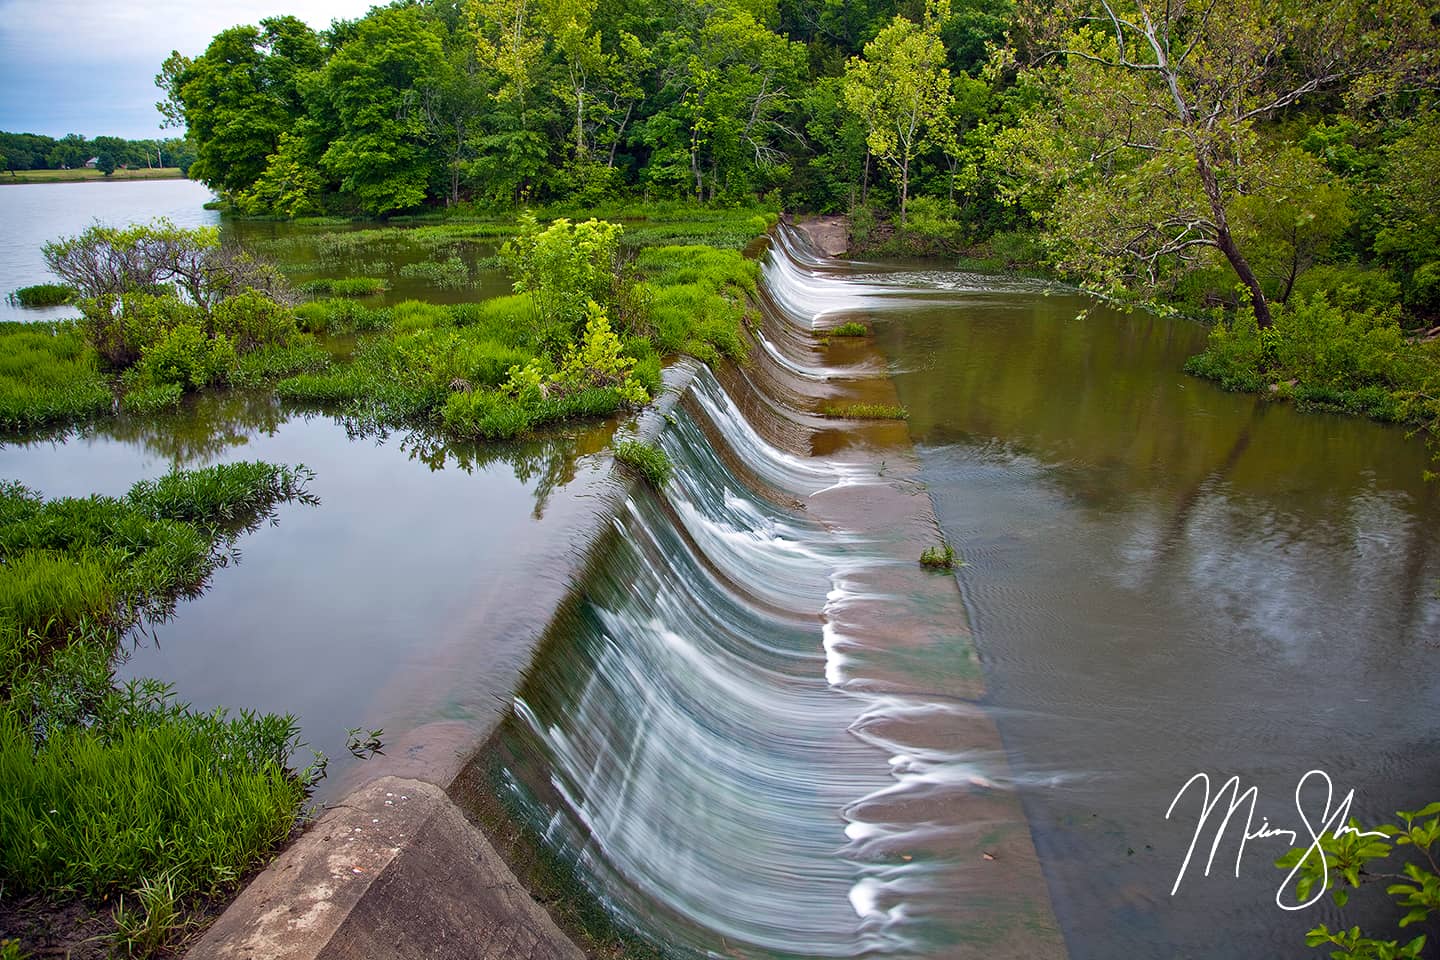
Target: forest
<point x="1269" y="165"/>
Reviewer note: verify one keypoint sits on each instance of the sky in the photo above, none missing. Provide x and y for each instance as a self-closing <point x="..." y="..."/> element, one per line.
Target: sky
<point x="88" y="67"/>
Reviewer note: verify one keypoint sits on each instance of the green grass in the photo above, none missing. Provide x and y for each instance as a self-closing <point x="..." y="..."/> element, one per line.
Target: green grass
<point x="940" y="557"/>
<point x="49" y="376"/>
<point x="85" y="174"/>
<point x="121" y="794"/>
<point x="645" y="459"/>
<point x="696" y="299"/>
<point x="851" y="329"/>
<point x="198" y="798"/>
<point x="44" y="295"/>
<point x="340" y="316"/>
<point x="864" y="411"/>
<point x="346" y="286"/>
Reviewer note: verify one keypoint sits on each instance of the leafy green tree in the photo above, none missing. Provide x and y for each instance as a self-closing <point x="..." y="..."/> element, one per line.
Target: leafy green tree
<point x="240" y="95"/>
<point x="376" y="84"/>
<point x="510" y="48"/>
<point x="1150" y="134"/>
<point x="900" y="89"/>
<point x="1408" y="197"/>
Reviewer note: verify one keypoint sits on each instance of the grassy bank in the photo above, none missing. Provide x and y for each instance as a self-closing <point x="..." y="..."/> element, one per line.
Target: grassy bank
<point x="1330" y="351"/>
<point x="87" y="175"/>
<point x="488" y="370"/>
<point x="121" y="802"/>
<point x="582" y="339"/>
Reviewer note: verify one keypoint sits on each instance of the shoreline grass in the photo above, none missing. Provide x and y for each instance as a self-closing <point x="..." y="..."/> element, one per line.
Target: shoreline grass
<point x="89" y="175"/>
<point x="119" y="791"/>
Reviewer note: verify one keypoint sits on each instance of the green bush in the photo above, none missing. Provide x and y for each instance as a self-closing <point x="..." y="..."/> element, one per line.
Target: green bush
<point x="44" y="295"/>
<point x="185" y="356"/>
<point x="565" y="266"/>
<point x="1232" y="354"/>
<point x="251" y="321"/>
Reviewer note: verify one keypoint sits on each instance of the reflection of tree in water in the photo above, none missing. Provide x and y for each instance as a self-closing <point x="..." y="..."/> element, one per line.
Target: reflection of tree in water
<point x="202" y="429"/>
<point x="548" y="460"/>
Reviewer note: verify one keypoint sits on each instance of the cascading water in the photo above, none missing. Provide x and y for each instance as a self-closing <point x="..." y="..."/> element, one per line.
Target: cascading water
<point x="737" y="743"/>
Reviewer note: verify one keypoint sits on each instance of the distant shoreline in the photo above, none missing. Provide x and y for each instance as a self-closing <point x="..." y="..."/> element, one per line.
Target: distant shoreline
<point x="87" y="175"/>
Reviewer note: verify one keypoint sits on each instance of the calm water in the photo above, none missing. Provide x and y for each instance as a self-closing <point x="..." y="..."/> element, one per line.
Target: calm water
<point x="1166" y="579"/>
<point x="411" y="595"/>
<point x="32" y="214"/>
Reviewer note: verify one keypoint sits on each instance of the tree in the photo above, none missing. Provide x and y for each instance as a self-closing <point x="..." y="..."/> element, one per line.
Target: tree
<point x="240" y="95"/>
<point x="900" y="89"/>
<point x="1151" y="124"/>
<point x="376" y="85"/>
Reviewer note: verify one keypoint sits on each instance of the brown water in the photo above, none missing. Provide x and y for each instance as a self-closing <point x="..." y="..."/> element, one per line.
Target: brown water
<point x="1166" y="579"/>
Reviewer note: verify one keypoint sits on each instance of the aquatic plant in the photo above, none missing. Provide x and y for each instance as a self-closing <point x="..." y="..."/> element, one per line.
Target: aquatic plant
<point x="346" y="286"/>
<point x="864" y="411"/>
<point x="44" y="295"/>
<point x="940" y="557"/>
<point x="449" y="274"/>
<point x="647" y="460"/>
<point x="850" y="329"/>
<point x="49" y="375"/>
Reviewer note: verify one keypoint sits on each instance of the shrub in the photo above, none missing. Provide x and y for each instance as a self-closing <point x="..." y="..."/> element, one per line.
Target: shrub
<point x="44" y="295"/>
<point x="565" y="266"/>
<point x="1232" y="354"/>
<point x="187" y="357"/>
<point x="252" y="320"/>
<point x="645" y="459"/>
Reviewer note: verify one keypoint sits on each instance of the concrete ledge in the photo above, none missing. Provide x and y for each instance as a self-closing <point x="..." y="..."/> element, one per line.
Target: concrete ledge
<point x="396" y="871"/>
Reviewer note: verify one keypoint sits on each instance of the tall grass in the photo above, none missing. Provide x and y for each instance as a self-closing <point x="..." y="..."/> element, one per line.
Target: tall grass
<point x="44" y="295"/>
<point x="49" y="375"/>
<point x="94" y="811"/>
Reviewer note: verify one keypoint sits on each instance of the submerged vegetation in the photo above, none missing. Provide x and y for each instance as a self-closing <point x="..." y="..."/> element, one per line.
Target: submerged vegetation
<point x="118" y="792"/>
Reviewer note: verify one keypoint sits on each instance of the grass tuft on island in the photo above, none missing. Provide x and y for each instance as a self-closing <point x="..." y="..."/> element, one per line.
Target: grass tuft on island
<point x="44" y="295"/>
<point x="864" y="411"/>
<point x="117" y="794"/>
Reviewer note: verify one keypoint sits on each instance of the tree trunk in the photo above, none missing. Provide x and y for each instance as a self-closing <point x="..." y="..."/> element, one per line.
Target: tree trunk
<point x="1226" y="242"/>
<point x="904" y="191"/>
